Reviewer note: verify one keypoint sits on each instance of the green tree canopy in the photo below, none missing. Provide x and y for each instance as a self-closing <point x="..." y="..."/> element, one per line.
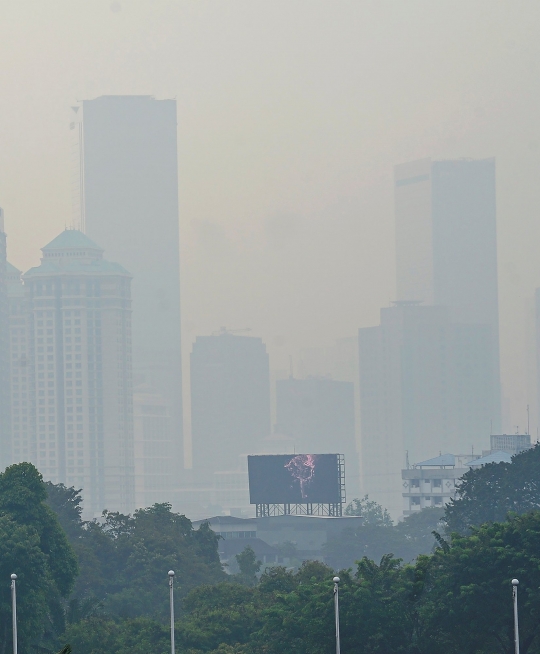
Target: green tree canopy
<point x="491" y="492"/>
<point x="33" y="546"/>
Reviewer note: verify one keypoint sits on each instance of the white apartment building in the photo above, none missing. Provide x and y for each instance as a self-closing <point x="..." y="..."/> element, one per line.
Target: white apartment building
<point x="71" y="378"/>
<point x="433" y="482"/>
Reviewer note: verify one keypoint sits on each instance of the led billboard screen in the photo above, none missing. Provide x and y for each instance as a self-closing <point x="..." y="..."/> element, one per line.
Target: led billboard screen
<point x="294" y="479"/>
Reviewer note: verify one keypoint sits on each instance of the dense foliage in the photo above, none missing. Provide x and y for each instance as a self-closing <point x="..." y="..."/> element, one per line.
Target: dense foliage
<point x="490" y="493"/>
<point x="377" y="535"/>
<point x="33" y="546"/>
<point x="456" y="601"/>
<point x="456" y="597"/>
<point x="124" y="559"/>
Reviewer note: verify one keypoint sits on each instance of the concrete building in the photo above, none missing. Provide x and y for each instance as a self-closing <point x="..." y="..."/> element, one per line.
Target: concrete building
<point x="429" y="374"/>
<point x="131" y="209"/>
<point x="23" y="446"/>
<point x="230" y="401"/>
<point x="426" y="384"/>
<point x="433" y="482"/>
<point x="5" y="408"/>
<point x="153" y="443"/>
<point x="446" y="238"/>
<point x="78" y="373"/>
<point x="510" y="443"/>
<point x="446" y="243"/>
<point x="318" y="415"/>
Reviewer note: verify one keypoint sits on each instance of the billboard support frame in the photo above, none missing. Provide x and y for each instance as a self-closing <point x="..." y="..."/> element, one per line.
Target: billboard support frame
<point x="334" y="509"/>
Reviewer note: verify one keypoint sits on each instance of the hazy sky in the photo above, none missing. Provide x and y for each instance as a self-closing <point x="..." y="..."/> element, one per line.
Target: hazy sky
<point x="291" y="115"/>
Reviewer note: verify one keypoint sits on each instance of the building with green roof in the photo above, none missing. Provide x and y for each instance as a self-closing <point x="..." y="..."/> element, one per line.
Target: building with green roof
<point x="76" y="424"/>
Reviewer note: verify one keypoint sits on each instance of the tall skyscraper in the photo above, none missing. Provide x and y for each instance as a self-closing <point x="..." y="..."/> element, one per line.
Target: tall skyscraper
<point x="230" y="400"/>
<point x="5" y="406"/>
<point x="318" y="415"/>
<point x="446" y="237"/>
<point x="154" y="468"/>
<point x="73" y="381"/>
<point x="426" y="387"/>
<point x="429" y="374"/>
<point x="23" y="445"/>
<point x="131" y="208"/>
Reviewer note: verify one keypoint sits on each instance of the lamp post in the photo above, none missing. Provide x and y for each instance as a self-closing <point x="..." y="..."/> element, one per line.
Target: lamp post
<point x="336" y="608"/>
<point x="14" y="610"/>
<point x="515" y="584"/>
<point x="171" y="598"/>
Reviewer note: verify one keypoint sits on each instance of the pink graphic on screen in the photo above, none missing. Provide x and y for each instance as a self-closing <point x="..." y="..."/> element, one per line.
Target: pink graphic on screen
<point x="302" y="468"/>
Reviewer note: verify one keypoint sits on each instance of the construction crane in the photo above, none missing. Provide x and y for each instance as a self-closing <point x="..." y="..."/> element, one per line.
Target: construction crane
<point x="224" y="330"/>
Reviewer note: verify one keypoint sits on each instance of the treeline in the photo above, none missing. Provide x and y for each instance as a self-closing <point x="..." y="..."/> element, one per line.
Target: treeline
<point x="102" y="587"/>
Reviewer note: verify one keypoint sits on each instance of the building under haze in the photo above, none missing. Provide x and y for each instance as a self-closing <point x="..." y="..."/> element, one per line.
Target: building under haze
<point x="429" y="373"/>
<point x="230" y="401"/>
<point x="154" y="466"/>
<point x="318" y="415"/>
<point x="5" y="406"/>
<point x="71" y="371"/>
<point x="426" y="385"/>
<point x="131" y="208"/>
<point x="446" y="237"/>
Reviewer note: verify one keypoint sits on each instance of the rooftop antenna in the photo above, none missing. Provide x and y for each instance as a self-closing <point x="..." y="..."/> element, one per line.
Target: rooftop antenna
<point x="77" y="125"/>
<point x="407" y="459"/>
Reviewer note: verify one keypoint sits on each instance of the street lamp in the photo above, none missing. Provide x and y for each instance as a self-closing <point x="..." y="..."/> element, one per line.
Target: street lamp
<point x="515" y="584"/>
<point x="14" y="610"/>
<point x="336" y="607"/>
<point x="171" y="598"/>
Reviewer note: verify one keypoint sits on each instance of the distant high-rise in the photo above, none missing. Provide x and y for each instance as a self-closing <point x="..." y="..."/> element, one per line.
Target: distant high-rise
<point x="75" y="372"/>
<point x="131" y="208"/>
<point x="318" y="415"/>
<point x="21" y="370"/>
<point x="429" y="374"/>
<point x="446" y="237"/>
<point x="230" y="400"/>
<point x="426" y="386"/>
<point x="5" y="407"/>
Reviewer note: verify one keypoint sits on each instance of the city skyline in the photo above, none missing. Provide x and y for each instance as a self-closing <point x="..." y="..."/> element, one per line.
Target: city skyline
<point x="285" y="166"/>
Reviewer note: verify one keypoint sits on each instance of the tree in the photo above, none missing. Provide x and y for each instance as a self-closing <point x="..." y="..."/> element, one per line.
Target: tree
<point x="373" y="513"/>
<point x="249" y="566"/>
<point x="466" y="598"/>
<point x="124" y="558"/>
<point x="491" y="492"/>
<point x="34" y="546"/>
<point x="406" y="540"/>
<point x="224" y="614"/>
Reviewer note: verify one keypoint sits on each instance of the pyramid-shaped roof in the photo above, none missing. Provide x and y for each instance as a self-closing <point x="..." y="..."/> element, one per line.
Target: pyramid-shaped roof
<point x="494" y="457"/>
<point x="71" y="238"/>
<point x="441" y="460"/>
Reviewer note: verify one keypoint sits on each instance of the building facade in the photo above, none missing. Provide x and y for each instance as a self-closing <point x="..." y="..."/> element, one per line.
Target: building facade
<point x="5" y="407"/>
<point x="433" y="483"/>
<point x="425" y="384"/>
<point x="71" y="372"/>
<point x="131" y="209"/>
<point x="230" y="401"/>
<point x="154" y="468"/>
<point x="429" y="373"/>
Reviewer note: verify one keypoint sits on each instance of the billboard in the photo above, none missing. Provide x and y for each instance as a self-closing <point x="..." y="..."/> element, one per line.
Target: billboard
<point x="294" y="479"/>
